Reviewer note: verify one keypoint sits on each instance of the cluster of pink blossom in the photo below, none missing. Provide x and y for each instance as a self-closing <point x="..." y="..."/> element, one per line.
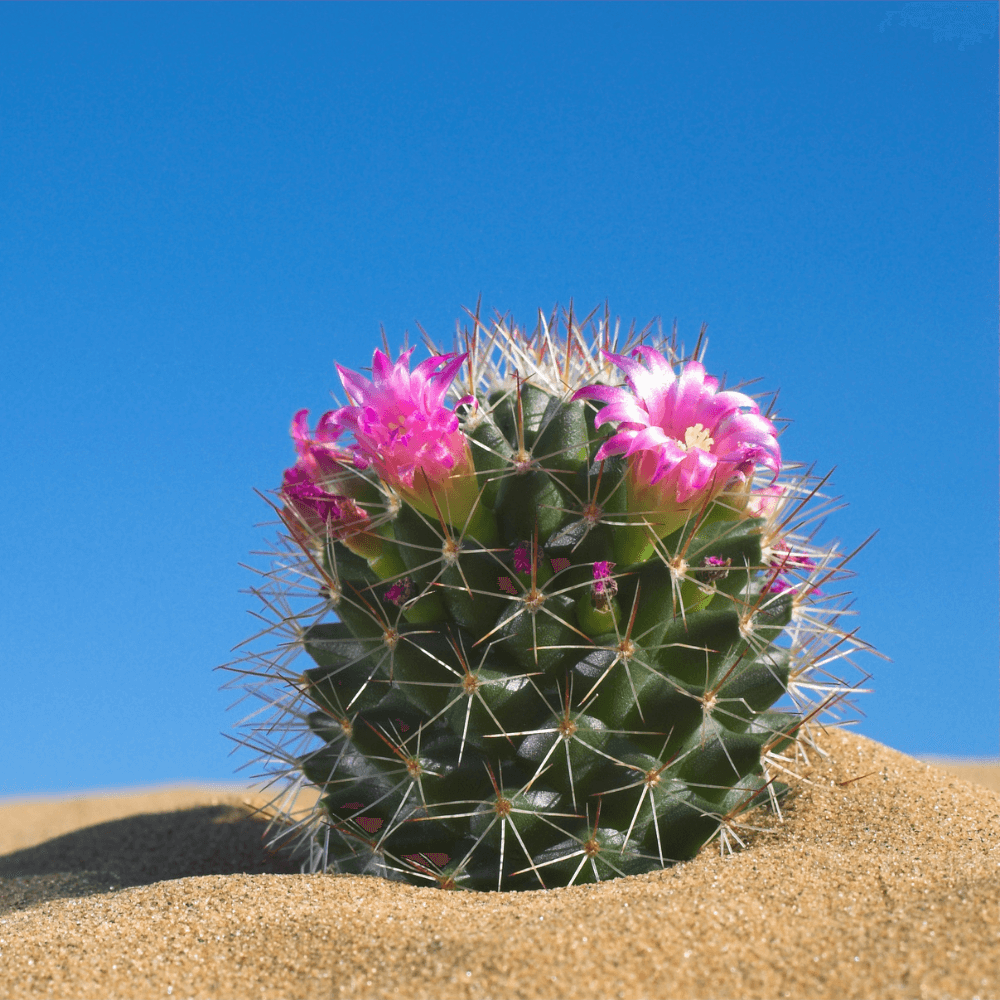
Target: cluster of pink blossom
<point x="685" y="441"/>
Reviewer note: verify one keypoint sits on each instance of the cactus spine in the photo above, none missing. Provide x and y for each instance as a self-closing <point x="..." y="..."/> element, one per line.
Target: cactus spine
<point x="560" y="616"/>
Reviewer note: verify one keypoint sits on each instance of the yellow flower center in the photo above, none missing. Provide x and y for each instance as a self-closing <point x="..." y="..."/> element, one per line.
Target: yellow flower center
<point x="697" y="436"/>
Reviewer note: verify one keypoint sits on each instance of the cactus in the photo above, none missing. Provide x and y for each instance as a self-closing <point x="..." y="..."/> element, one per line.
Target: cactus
<point x="561" y="619"/>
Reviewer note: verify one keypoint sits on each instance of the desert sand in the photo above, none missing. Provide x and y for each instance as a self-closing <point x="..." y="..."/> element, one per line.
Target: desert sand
<point x="882" y="881"/>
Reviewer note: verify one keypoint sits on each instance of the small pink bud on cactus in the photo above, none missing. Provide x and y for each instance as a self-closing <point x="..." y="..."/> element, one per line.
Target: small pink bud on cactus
<point x="604" y="586"/>
<point x="400" y="592"/>
<point x="716" y="568"/>
<point x="785" y="559"/>
<point x="402" y="428"/>
<point x="597" y="610"/>
<point x="769" y="503"/>
<point x="522" y="561"/>
<point x="685" y="440"/>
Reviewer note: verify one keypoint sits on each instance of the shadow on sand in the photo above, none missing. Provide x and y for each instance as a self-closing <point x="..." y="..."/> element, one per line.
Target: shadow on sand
<point x="140" y="850"/>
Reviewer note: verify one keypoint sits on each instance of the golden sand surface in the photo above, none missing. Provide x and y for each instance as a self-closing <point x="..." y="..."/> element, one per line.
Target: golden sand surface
<point x="979" y="772"/>
<point x="883" y="881"/>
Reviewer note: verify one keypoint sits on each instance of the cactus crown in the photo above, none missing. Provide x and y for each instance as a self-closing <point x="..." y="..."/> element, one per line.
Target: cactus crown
<point x="561" y="608"/>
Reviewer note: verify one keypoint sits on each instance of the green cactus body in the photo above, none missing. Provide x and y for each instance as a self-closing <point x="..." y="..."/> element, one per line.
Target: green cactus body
<point x="541" y="685"/>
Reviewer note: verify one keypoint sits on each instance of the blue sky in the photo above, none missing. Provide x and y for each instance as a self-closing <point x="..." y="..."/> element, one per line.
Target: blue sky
<point x="203" y="206"/>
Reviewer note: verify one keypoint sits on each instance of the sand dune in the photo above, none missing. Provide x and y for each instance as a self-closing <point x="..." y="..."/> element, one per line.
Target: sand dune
<point x="884" y="881"/>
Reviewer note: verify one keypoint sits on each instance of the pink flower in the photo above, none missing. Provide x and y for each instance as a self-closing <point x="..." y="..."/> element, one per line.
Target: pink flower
<point x="322" y="461"/>
<point x="316" y="489"/>
<point x="319" y="455"/>
<point x="402" y="428"/>
<point x="315" y="513"/>
<point x="685" y="440"/>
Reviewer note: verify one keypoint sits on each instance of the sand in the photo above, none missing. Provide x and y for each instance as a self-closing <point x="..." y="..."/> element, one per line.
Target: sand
<point x="883" y="881"/>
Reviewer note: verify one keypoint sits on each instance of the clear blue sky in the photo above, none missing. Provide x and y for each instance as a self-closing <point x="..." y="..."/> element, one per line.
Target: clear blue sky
<point x="201" y="207"/>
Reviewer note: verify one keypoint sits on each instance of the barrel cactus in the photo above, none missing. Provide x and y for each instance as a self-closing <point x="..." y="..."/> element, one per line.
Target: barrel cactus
<point x="561" y="619"/>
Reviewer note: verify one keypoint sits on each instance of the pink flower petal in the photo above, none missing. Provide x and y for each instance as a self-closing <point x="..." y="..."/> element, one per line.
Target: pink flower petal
<point x="656" y="362"/>
<point x="626" y="409"/>
<point x="615" y="445"/>
<point x="357" y="387"/>
<point x="697" y="472"/>
<point x="654" y="439"/>
<point x="602" y="393"/>
<point x="644" y="384"/>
